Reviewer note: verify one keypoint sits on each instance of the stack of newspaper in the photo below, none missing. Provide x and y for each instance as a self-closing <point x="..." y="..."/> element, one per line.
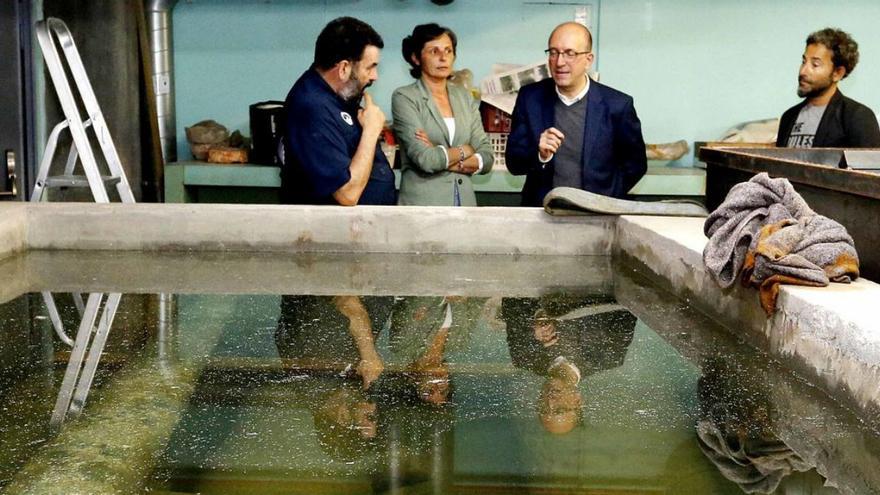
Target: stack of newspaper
<point x="500" y="89"/>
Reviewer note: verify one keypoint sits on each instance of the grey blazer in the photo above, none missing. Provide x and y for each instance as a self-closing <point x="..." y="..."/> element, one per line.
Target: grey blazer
<point x="424" y="178"/>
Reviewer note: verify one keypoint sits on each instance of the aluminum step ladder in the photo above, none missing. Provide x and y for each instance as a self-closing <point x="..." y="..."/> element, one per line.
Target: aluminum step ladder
<point x="89" y="342"/>
<point x="52" y="33"/>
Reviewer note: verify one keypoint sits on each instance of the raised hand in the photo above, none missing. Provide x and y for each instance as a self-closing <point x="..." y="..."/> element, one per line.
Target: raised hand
<point x="550" y="141"/>
<point x="371" y="117"/>
<point x="370" y="368"/>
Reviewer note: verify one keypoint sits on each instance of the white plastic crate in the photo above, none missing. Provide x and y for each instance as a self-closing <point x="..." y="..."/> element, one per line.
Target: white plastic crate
<point x="498" y="140"/>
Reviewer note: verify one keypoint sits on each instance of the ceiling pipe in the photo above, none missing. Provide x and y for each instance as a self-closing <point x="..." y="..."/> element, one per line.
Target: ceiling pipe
<point x="162" y="47"/>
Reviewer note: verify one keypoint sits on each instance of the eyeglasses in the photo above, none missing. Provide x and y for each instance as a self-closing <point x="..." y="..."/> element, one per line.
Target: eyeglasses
<point x="568" y="55"/>
<point x="435" y="51"/>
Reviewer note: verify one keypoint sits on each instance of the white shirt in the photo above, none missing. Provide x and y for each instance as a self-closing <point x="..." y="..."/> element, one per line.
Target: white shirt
<point x="569" y="101"/>
<point x="447" y="320"/>
<point x="450" y="126"/>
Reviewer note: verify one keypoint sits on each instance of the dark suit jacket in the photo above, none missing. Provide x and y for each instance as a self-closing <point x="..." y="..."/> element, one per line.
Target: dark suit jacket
<point x="614" y="151"/>
<point x="846" y="123"/>
<point x="592" y="343"/>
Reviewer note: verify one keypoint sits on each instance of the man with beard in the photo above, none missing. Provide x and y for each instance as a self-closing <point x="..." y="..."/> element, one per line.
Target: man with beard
<point x="331" y="152"/>
<point x="826" y="118"/>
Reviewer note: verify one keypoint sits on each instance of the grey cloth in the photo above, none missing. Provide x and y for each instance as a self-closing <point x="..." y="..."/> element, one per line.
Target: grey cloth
<point x="757" y="465"/>
<point x="568" y="165"/>
<point x="766" y="222"/>
<point x="567" y="201"/>
<point x="734" y="225"/>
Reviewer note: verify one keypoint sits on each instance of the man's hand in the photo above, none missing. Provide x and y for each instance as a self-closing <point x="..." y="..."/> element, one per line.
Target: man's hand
<point x="351" y="307"/>
<point x="544" y="329"/>
<point x="370" y="365"/>
<point x="369" y="368"/>
<point x="550" y="141"/>
<point x="371" y="117"/>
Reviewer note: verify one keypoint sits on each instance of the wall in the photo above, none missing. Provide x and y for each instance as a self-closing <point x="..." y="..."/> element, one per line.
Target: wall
<point x="231" y="53"/>
<point x="694" y="68"/>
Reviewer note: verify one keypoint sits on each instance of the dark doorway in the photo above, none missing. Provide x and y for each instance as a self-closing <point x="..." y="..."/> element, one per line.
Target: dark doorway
<point x="16" y="100"/>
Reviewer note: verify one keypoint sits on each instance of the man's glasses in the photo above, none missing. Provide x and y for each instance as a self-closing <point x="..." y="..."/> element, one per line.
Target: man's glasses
<point x="568" y="55"/>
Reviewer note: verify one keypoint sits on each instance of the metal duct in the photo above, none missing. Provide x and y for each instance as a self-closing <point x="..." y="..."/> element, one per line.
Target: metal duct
<point x="162" y="46"/>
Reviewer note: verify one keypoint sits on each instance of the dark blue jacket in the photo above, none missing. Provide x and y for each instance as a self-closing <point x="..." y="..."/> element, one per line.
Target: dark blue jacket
<point x="614" y="151"/>
<point x="321" y="138"/>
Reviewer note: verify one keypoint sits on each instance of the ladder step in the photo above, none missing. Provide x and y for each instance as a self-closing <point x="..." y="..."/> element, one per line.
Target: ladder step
<point x="76" y="181"/>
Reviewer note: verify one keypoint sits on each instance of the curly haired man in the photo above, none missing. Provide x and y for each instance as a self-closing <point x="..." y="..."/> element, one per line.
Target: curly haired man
<point x="826" y="118"/>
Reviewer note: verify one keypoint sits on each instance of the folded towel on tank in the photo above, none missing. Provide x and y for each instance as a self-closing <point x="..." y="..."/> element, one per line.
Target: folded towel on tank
<point x="766" y="234"/>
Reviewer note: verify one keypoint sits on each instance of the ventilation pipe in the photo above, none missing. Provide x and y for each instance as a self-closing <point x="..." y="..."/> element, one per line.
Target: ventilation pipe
<point x="162" y="46"/>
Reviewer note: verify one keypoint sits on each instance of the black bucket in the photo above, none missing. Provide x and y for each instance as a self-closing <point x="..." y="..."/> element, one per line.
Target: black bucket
<point x="267" y="129"/>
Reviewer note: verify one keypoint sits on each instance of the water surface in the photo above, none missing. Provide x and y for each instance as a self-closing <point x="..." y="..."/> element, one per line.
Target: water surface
<point x="402" y="374"/>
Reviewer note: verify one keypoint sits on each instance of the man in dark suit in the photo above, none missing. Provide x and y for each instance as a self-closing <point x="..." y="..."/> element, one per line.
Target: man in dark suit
<point x="573" y="132"/>
<point x="565" y="338"/>
<point x="826" y="118"/>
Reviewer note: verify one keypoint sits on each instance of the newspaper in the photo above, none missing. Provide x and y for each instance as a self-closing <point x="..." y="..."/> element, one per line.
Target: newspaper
<point x="504" y="101"/>
<point x="511" y="78"/>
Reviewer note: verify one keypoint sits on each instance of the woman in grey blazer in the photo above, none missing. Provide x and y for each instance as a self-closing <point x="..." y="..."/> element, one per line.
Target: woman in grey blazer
<point x="438" y="125"/>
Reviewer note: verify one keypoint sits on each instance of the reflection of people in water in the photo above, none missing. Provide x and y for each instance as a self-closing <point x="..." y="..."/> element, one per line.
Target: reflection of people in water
<point x="421" y="331"/>
<point x="735" y="430"/>
<point x="565" y="338"/>
<point x="331" y="336"/>
<point x="345" y="418"/>
<point x="334" y="333"/>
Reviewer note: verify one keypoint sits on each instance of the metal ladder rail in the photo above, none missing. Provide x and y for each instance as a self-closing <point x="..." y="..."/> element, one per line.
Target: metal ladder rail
<point x="44" y="32"/>
<point x="78" y="378"/>
<point x="48" y="155"/>
<point x="55" y="317"/>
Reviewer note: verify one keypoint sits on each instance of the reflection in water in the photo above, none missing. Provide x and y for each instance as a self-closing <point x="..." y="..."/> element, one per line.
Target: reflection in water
<point x="410" y="394"/>
<point x="333" y="336"/>
<point x="564" y="339"/>
<point x="356" y="404"/>
<point x="334" y="333"/>
<point x="423" y="330"/>
<point x="88" y="347"/>
<point x="735" y="430"/>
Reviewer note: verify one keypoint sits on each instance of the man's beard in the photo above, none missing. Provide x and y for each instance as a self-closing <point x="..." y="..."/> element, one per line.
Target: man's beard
<point x="814" y="91"/>
<point x="352" y="91"/>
